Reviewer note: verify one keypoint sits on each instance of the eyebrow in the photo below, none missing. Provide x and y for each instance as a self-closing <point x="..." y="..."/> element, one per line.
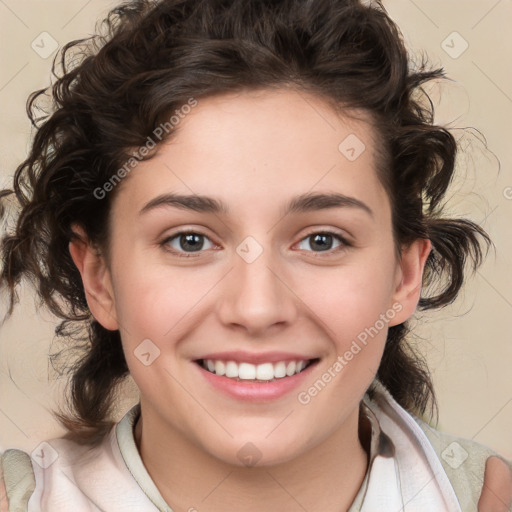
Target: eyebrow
<point x="300" y="204"/>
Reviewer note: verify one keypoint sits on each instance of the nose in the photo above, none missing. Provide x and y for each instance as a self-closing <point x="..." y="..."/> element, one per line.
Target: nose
<point x="256" y="295"/>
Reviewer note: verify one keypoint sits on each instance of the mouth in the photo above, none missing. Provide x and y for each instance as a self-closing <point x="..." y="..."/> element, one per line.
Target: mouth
<point x="263" y="373"/>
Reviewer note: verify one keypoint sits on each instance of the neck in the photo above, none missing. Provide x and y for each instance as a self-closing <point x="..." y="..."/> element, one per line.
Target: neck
<point x="325" y="478"/>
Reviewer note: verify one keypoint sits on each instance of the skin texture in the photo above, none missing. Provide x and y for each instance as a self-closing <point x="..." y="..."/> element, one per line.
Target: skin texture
<point x="497" y="489"/>
<point x="254" y="151"/>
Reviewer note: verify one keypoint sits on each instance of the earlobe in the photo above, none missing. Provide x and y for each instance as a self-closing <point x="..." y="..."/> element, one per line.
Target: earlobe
<point x="95" y="278"/>
<point x="410" y="277"/>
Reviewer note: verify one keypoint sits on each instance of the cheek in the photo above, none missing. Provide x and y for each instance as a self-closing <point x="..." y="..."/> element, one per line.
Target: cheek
<point x="354" y="306"/>
<point x="155" y="310"/>
<point x="350" y="299"/>
<point x="152" y="307"/>
<point x="159" y="302"/>
<point x="354" y="309"/>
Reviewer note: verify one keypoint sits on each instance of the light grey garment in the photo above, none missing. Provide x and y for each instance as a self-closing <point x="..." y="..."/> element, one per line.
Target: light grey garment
<point x="407" y="458"/>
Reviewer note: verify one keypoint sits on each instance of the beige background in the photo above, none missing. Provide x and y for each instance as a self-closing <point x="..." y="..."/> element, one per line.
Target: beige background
<point x="468" y="346"/>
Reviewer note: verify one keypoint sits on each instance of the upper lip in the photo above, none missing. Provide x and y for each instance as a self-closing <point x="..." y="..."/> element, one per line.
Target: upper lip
<point x="256" y="358"/>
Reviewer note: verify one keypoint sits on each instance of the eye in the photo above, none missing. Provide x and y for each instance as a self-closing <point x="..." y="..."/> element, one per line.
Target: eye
<point x="185" y="242"/>
<point x="323" y="241"/>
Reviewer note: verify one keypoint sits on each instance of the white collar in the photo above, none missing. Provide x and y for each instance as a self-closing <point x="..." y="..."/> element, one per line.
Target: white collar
<point x="404" y="475"/>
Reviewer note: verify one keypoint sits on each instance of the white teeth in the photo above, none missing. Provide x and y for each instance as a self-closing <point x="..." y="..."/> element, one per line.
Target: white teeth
<point x="220" y="369"/>
<point x="231" y="369"/>
<point x="265" y="371"/>
<point x="290" y="369"/>
<point x="248" y="371"/>
<point x="279" y="370"/>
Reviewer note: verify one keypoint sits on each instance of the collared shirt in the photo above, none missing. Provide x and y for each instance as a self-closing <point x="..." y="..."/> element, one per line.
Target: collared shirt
<point x="412" y="468"/>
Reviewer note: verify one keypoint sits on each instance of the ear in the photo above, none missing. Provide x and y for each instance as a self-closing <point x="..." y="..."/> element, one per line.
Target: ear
<point x="409" y="279"/>
<point x="95" y="278"/>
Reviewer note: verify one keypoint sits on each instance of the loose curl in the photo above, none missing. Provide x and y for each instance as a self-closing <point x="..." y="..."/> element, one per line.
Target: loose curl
<point x="147" y="60"/>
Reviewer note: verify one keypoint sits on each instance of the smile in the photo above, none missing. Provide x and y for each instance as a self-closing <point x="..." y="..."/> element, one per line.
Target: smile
<point x="265" y="372"/>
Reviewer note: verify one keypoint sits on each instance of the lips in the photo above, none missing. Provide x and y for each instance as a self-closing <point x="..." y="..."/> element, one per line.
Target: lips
<point x="255" y="390"/>
<point x="263" y="366"/>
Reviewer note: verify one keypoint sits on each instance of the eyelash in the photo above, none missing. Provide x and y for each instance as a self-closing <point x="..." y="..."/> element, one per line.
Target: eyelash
<point x="344" y="243"/>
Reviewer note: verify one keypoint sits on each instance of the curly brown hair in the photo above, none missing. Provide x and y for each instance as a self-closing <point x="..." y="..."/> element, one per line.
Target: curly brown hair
<point x="148" y="60"/>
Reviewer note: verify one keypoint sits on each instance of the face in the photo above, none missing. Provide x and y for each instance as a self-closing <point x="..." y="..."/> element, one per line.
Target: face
<point x="255" y="282"/>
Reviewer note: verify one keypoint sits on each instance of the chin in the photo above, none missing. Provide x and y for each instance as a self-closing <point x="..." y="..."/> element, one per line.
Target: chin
<point x="257" y="454"/>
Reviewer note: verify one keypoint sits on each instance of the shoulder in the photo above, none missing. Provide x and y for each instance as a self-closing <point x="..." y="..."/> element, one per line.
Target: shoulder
<point x="17" y="481"/>
<point x="29" y="477"/>
<point x="465" y="462"/>
<point x="62" y="474"/>
<point x="480" y="478"/>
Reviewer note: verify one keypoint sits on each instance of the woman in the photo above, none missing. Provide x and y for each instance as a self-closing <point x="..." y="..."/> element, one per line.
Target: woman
<point x="239" y="204"/>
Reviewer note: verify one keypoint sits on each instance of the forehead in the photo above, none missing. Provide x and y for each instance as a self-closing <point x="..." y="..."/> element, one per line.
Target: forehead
<point x="276" y="120"/>
<point x="258" y="146"/>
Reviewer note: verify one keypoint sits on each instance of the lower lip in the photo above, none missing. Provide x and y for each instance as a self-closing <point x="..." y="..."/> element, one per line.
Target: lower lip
<point x="256" y="391"/>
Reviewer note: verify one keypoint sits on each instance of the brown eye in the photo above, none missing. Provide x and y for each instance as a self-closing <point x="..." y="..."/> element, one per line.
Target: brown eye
<point x="185" y="242"/>
<point x="323" y="241"/>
